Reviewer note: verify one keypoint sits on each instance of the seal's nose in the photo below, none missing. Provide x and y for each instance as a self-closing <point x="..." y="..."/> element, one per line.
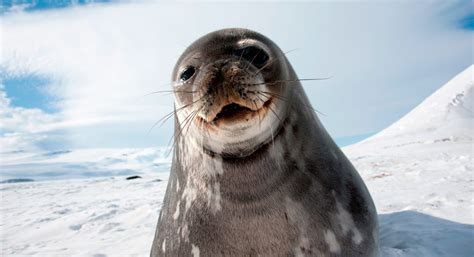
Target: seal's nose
<point x="229" y="89"/>
<point x="224" y="78"/>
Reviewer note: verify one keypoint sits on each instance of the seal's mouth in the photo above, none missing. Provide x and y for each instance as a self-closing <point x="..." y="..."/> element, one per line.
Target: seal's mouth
<point x="234" y="113"/>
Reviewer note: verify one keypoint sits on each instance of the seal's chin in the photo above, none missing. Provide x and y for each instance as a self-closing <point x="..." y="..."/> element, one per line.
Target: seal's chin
<point x="237" y="130"/>
<point x="235" y="114"/>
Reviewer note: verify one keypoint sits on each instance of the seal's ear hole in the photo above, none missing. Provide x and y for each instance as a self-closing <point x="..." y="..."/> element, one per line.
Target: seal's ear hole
<point x="187" y="73"/>
<point x="255" y="55"/>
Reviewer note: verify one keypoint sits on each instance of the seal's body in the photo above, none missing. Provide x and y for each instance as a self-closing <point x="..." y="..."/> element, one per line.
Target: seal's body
<point x="254" y="172"/>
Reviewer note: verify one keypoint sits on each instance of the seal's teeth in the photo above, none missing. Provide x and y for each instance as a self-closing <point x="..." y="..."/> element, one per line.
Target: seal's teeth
<point x="202" y="116"/>
<point x="207" y="118"/>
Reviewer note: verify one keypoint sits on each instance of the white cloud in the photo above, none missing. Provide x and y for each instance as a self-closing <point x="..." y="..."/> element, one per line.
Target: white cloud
<point x="383" y="58"/>
<point x="24" y="129"/>
<point x="12" y="143"/>
<point x="18" y="119"/>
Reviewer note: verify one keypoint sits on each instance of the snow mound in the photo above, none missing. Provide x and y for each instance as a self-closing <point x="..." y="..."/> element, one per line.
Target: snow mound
<point x="445" y="115"/>
<point x="419" y="172"/>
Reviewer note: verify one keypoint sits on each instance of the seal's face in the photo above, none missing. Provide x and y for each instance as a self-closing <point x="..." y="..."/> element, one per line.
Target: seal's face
<point x="230" y="89"/>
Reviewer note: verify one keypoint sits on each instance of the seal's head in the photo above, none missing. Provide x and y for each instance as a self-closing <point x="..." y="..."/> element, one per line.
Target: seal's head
<point x="230" y="90"/>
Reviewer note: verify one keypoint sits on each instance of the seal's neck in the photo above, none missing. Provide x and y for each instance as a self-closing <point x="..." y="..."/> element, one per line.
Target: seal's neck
<point x="300" y="136"/>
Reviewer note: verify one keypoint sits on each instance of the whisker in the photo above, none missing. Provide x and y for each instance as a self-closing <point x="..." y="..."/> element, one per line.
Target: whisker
<point x="289" y="80"/>
<point x="290" y="51"/>
<point x="169" y="115"/>
<point x="253" y="58"/>
<point x="177" y="135"/>
<point x="280" y="97"/>
<point x="243" y="43"/>
<point x="264" y="66"/>
<point x="269" y="107"/>
<point x="259" y="119"/>
<point x="170" y="92"/>
<point x="191" y="120"/>
<point x="273" y="60"/>
<point x="310" y="79"/>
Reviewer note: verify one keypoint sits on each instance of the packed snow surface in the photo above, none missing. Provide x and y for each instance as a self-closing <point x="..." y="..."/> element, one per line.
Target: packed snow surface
<point x="87" y="217"/>
<point x="419" y="172"/>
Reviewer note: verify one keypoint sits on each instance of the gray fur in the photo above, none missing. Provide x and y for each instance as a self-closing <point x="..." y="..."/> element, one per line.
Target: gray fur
<point x="295" y="195"/>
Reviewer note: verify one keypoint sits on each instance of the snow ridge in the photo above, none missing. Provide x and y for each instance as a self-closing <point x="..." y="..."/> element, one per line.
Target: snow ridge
<point x="447" y="113"/>
<point x="420" y="174"/>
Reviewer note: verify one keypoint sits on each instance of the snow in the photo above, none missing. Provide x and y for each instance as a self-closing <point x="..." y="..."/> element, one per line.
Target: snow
<point x="84" y="163"/>
<point x="419" y="172"/>
<point x="447" y="114"/>
<point x="88" y="217"/>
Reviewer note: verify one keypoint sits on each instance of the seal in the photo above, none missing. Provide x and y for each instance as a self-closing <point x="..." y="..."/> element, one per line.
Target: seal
<point x="254" y="172"/>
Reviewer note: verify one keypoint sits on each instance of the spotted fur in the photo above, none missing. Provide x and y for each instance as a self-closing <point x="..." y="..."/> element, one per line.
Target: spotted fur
<point x="290" y="191"/>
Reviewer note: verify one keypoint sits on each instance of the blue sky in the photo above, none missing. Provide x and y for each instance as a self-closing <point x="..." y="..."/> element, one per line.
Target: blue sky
<point x="28" y="91"/>
<point x="41" y="5"/>
<point x="76" y="75"/>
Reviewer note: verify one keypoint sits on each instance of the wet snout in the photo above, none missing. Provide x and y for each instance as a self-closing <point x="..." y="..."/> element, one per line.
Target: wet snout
<point x="231" y="92"/>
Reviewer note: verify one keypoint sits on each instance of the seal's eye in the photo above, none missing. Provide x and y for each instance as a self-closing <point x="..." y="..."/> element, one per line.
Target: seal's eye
<point x="253" y="54"/>
<point x="187" y="73"/>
